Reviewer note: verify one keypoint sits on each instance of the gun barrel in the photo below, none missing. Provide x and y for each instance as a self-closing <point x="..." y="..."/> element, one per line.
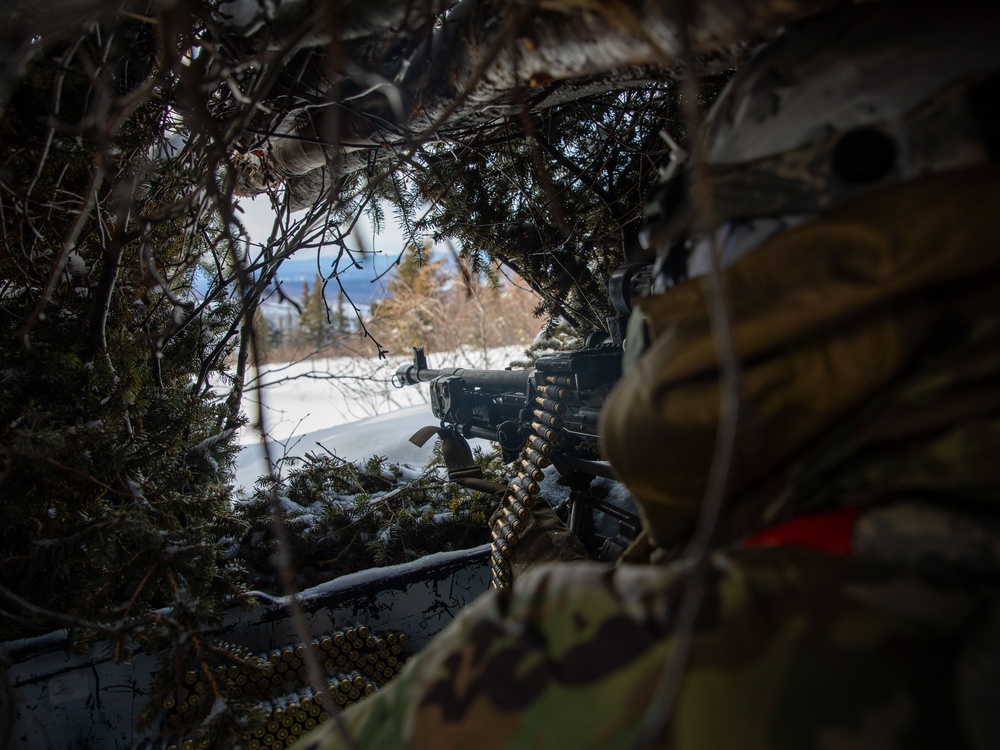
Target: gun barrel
<point x="507" y="381"/>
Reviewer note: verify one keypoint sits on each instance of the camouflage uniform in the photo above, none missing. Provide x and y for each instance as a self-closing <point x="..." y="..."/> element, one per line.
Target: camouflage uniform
<point x="869" y="350"/>
<point x="791" y="649"/>
<point x="871" y="367"/>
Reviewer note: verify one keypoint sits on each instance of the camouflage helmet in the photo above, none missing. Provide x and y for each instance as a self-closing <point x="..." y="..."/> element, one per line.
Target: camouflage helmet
<point x="841" y="104"/>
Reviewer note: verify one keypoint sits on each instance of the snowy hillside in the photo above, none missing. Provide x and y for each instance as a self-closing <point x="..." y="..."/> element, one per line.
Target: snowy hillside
<point x="346" y="406"/>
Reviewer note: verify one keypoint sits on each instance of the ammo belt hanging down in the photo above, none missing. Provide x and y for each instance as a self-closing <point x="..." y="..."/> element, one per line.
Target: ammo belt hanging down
<point x="516" y="505"/>
<point x="519" y="494"/>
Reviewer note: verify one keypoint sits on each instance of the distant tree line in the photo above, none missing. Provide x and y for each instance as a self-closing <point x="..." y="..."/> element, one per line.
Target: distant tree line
<point x="312" y="327"/>
<point x="427" y="303"/>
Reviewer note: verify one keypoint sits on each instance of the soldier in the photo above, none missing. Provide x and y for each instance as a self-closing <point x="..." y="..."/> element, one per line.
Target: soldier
<point x="847" y="592"/>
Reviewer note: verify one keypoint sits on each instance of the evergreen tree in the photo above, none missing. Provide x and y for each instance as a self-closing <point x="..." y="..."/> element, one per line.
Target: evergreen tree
<point x="344" y="517"/>
<point x="555" y="196"/>
<point x="413" y="310"/>
<point x="342" y="325"/>
<point x="116" y="451"/>
<point x="317" y="331"/>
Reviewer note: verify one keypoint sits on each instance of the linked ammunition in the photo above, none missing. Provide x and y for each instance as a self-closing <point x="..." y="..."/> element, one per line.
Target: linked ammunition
<point x="505" y="534"/>
<point x="541" y="445"/>
<point x="372" y="659"/>
<point x="538" y="459"/>
<point x="500" y="574"/>
<point x="522" y="495"/>
<point x="551" y="405"/>
<point x="545" y="432"/>
<point x="529" y="484"/>
<point x="555" y="391"/>
<point x="520" y="510"/>
<point x="548" y="418"/>
<point x="500" y="551"/>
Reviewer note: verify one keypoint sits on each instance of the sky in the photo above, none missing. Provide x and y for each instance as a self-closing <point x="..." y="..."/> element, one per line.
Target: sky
<point x="258" y="218"/>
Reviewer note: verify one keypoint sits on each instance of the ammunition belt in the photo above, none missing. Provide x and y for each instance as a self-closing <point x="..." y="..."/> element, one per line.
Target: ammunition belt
<point x="515" y="516"/>
<point x="356" y="663"/>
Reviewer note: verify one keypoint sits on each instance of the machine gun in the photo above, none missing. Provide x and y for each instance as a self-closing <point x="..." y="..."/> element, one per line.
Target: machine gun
<point x="545" y="416"/>
<point x="556" y="403"/>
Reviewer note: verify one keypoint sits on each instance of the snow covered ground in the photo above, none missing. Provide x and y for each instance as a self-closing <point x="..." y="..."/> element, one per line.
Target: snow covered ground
<point x="346" y="406"/>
